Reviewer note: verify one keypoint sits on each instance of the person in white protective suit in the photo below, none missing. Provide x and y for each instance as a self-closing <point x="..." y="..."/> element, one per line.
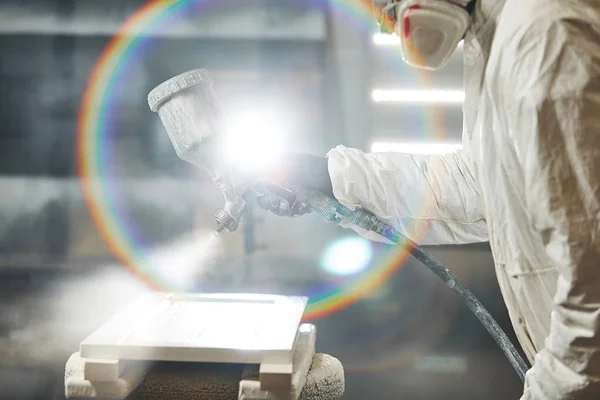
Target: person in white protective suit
<point x="527" y="178"/>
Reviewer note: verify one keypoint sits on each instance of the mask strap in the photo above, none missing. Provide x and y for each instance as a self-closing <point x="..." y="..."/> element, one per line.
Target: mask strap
<point x="470" y="7"/>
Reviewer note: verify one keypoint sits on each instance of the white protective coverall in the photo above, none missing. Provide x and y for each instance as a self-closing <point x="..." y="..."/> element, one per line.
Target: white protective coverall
<point x="527" y="180"/>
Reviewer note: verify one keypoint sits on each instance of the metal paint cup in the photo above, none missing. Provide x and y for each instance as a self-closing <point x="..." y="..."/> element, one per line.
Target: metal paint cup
<point x="189" y="110"/>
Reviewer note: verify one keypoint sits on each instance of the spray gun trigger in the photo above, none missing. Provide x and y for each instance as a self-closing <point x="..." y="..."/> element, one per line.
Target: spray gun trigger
<point x="282" y="200"/>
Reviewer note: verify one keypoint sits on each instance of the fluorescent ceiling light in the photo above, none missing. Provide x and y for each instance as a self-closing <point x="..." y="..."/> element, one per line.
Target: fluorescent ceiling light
<point x="391" y="39"/>
<point x="415" y="148"/>
<point x="417" y="96"/>
<point x="384" y="39"/>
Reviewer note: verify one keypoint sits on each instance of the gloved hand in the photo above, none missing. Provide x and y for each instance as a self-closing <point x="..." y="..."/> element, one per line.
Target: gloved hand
<point x="297" y="170"/>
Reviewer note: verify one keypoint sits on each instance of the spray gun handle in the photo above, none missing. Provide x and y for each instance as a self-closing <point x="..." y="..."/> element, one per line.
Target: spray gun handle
<point x="283" y="199"/>
<point x="283" y="193"/>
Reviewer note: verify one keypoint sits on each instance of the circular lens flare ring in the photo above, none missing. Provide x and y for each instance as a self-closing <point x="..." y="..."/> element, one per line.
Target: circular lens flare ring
<point x="92" y="153"/>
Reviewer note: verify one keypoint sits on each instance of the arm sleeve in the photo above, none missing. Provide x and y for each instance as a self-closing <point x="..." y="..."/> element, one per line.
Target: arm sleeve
<point x="558" y="121"/>
<point x="430" y="199"/>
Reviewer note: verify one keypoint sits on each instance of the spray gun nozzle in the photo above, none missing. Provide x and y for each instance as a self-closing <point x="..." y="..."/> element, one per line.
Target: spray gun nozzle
<point x="218" y="231"/>
<point x="229" y="217"/>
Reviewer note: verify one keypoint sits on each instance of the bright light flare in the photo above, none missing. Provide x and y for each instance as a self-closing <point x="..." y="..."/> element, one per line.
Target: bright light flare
<point x="417" y="96"/>
<point x="415" y="148"/>
<point x="254" y="139"/>
<point x="347" y="256"/>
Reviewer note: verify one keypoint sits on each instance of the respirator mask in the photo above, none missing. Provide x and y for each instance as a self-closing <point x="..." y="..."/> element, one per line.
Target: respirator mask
<point x="429" y="30"/>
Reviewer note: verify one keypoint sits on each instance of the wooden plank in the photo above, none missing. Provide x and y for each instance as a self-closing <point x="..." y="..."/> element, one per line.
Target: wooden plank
<point x="96" y="370"/>
<point x="276" y="377"/>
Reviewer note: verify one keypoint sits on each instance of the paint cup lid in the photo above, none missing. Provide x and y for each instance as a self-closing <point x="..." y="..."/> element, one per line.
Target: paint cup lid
<point x="171" y="87"/>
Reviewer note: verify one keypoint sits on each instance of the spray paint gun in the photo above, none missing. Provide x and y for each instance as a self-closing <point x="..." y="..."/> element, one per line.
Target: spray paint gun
<point x="192" y="117"/>
<point x="190" y="112"/>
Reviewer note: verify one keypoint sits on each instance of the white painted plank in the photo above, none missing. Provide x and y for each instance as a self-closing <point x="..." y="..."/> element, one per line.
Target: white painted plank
<point x="276" y="377"/>
<point x="238" y="328"/>
<point x="97" y="370"/>
<point x="252" y="385"/>
<point x="77" y="387"/>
